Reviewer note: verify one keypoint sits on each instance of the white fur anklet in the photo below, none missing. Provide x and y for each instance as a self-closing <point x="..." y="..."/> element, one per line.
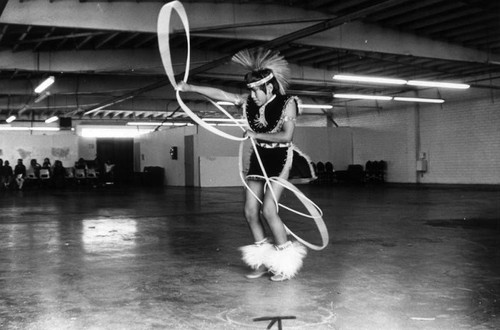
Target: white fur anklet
<point x="286" y="259"/>
<point x="256" y="255"/>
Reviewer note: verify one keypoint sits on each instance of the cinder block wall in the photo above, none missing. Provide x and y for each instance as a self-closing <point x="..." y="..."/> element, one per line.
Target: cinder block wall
<point x="462" y="142"/>
<point x="460" y="138"/>
<point x="386" y="134"/>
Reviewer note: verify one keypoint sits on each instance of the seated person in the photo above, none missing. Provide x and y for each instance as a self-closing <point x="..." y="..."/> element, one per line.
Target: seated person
<point x="81" y="164"/>
<point x="58" y="173"/>
<point x="6" y="175"/>
<point x="47" y="165"/>
<point x="20" y="173"/>
<point x="109" y="171"/>
<point x="1" y="171"/>
<point x="34" y="169"/>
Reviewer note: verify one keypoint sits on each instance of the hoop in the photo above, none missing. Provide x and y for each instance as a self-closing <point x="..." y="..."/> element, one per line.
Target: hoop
<point x="164" y="45"/>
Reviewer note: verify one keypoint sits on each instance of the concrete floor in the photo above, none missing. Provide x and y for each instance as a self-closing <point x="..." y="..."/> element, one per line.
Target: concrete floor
<point x="154" y="258"/>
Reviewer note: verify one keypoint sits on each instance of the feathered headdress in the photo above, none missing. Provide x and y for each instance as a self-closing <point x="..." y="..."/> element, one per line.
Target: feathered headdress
<point x="259" y="59"/>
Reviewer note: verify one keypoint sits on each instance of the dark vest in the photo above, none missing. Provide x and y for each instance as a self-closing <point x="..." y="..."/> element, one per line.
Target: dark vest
<point x="273" y="114"/>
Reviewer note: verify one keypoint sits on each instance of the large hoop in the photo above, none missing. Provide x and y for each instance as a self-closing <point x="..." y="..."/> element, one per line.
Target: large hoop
<point x="164" y="19"/>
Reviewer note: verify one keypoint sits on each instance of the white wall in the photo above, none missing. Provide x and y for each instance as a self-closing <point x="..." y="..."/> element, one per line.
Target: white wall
<point x="217" y="158"/>
<point x="155" y="151"/>
<point x="325" y="144"/>
<point x="87" y="148"/>
<point x="61" y="146"/>
<point x="462" y="142"/>
<point x="461" y="137"/>
<point x="219" y="172"/>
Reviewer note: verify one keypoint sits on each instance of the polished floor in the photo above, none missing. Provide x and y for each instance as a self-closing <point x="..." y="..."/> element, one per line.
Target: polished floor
<point x="166" y="258"/>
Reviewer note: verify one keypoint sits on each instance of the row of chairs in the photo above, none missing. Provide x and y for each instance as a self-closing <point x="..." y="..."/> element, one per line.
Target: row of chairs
<point x="325" y="173"/>
<point x="374" y="171"/>
<point x="71" y="176"/>
<point x="80" y="173"/>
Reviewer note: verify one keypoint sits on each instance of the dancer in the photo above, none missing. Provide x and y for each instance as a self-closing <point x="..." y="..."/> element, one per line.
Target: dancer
<point x="271" y="116"/>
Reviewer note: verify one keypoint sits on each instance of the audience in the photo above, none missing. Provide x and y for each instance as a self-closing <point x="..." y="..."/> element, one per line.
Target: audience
<point x="6" y="175"/>
<point x="58" y="174"/>
<point x="34" y="168"/>
<point x="20" y="174"/>
<point x="1" y="171"/>
<point x="81" y="164"/>
<point x="109" y="171"/>
<point x="16" y="179"/>
<point x="46" y="165"/>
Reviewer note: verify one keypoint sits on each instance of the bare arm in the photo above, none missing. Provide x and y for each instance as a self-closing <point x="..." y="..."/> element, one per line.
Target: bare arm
<point x="286" y="134"/>
<point x="213" y="93"/>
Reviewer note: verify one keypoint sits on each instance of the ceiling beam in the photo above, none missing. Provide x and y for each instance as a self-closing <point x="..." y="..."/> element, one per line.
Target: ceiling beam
<point x="243" y="21"/>
<point x="142" y="17"/>
<point x="311" y="30"/>
<point x="3" y="3"/>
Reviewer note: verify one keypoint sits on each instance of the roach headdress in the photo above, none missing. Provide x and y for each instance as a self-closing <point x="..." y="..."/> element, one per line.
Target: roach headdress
<point x="257" y="59"/>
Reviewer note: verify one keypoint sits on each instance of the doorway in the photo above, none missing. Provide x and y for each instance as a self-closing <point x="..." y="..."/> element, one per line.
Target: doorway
<point x="189" y="160"/>
<point x="121" y="153"/>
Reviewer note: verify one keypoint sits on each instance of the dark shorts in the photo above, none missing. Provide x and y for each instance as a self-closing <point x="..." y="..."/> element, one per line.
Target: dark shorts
<point x="288" y="163"/>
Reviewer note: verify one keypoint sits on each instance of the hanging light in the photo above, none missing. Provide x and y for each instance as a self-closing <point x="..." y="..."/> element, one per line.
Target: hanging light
<point x="380" y="80"/>
<point x="10" y="119"/>
<point x="25" y="128"/>
<point x="315" y="106"/>
<point x="157" y="123"/>
<point x="418" y="99"/>
<point x="45" y="84"/>
<point x="363" y="97"/>
<point x="42" y="97"/>
<point x="437" y="84"/>
<point x="51" y="119"/>
<point x="376" y="80"/>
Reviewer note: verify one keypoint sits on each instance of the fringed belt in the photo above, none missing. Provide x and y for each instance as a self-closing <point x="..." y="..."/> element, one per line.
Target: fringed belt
<point x="270" y="145"/>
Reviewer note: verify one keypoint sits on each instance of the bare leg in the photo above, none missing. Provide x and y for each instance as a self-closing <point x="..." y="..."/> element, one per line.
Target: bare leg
<point x="270" y="213"/>
<point x="252" y="209"/>
<point x="255" y="255"/>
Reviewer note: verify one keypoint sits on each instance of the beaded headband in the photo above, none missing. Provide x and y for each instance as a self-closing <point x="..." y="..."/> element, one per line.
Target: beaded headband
<point x="261" y="82"/>
<point x="258" y="59"/>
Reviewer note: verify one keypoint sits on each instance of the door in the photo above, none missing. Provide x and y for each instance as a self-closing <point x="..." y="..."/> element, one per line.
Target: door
<point x="189" y="160"/>
<point x="121" y="153"/>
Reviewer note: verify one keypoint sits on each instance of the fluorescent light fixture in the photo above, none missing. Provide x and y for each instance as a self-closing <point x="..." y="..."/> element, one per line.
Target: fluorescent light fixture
<point x="42" y="97"/>
<point x="315" y="106"/>
<point x="25" y="128"/>
<point x="44" y="128"/>
<point x="437" y="84"/>
<point x="152" y="123"/>
<point x="373" y="80"/>
<point x="363" y="97"/>
<point x="224" y="124"/>
<point x="45" y="84"/>
<point x="418" y="99"/>
<point x="113" y="132"/>
<point x="10" y="119"/>
<point x="380" y="80"/>
<point x="51" y="119"/>
<point x="214" y="120"/>
<point x="224" y="103"/>
<point x="224" y="120"/>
